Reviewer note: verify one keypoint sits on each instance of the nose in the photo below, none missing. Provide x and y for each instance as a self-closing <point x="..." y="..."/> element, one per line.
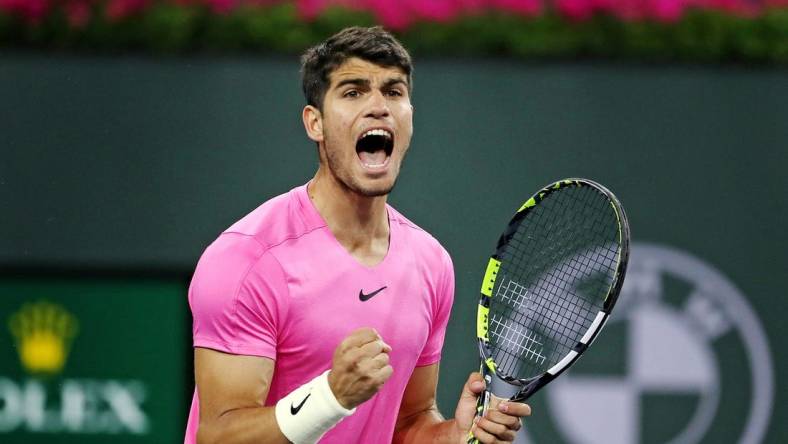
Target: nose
<point x="378" y="106"/>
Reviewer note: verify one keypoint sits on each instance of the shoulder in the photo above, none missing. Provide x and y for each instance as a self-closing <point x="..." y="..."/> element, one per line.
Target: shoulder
<point x="423" y="244"/>
<point x="277" y="220"/>
<point x="244" y="245"/>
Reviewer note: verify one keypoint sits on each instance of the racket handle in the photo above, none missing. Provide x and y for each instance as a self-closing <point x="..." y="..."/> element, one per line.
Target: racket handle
<point x="481" y="409"/>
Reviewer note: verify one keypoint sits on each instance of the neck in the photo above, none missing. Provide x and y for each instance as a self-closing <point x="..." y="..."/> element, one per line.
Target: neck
<point x="359" y="223"/>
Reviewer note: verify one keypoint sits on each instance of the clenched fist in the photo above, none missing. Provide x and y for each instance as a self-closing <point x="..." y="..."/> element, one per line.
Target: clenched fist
<point x="360" y="367"/>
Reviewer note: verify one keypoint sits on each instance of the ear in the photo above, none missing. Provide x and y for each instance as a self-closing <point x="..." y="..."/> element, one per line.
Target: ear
<point x="313" y="123"/>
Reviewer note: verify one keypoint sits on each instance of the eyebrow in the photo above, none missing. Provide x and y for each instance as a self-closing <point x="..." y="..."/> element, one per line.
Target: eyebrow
<point x="358" y="82"/>
<point x="395" y="81"/>
<point x="365" y="82"/>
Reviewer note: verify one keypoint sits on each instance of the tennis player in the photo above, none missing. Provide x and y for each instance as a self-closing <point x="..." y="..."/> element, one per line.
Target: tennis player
<point x="321" y="314"/>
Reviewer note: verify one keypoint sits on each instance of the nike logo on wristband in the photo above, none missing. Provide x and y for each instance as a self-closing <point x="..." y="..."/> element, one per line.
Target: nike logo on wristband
<point x="294" y="410"/>
<point x="365" y="297"/>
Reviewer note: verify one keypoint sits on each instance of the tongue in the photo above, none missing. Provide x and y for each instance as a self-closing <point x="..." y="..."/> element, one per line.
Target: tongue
<point x="372" y="159"/>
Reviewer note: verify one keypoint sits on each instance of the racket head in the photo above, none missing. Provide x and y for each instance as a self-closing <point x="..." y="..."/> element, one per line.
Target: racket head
<point x="552" y="282"/>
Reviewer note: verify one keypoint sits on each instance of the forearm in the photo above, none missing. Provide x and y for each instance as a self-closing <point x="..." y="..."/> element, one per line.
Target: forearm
<point x="427" y="426"/>
<point x="253" y="425"/>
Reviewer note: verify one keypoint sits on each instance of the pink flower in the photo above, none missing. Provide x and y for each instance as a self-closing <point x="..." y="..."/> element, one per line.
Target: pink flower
<point x="475" y="6"/>
<point x="739" y="7"/>
<point x="120" y="9"/>
<point x="260" y="2"/>
<point x="393" y="15"/>
<point x="213" y="5"/>
<point x="623" y="9"/>
<point x="667" y="11"/>
<point x="31" y="10"/>
<point x="221" y="6"/>
<point x="576" y="10"/>
<point x="78" y="13"/>
<point x="310" y="9"/>
<point x="435" y="10"/>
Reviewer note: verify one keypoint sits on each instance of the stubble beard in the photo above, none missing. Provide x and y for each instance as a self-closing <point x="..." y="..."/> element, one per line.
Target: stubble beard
<point x="345" y="178"/>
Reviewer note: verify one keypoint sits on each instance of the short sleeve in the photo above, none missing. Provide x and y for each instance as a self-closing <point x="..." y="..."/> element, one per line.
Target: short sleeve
<point x="443" y="300"/>
<point x="238" y="297"/>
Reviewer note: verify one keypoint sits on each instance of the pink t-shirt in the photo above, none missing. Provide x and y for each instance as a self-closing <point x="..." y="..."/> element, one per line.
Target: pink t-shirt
<point x="278" y="284"/>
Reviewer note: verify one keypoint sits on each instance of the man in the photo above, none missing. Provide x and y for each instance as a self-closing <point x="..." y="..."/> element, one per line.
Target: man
<point x="322" y="313"/>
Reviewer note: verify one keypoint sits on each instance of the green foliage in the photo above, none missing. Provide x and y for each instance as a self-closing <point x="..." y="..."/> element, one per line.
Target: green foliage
<point x="7" y="31"/>
<point x="701" y="35"/>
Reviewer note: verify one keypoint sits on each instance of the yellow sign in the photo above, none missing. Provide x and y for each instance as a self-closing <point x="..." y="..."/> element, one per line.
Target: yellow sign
<point x="43" y="332"/>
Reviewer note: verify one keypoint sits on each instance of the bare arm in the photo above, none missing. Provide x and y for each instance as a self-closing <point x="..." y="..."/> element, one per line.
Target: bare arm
<point x="419" y="420"/>
<point x="232" y="390"/>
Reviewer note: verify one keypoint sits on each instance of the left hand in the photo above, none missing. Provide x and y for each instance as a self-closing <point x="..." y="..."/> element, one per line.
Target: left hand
<point x="499" y="424"/>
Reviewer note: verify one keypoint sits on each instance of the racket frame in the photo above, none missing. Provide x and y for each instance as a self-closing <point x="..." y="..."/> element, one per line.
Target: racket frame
<point x="529" y="386"/>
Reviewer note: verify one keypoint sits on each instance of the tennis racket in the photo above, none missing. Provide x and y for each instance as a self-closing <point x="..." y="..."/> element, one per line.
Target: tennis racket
<point x="550" y="286"/>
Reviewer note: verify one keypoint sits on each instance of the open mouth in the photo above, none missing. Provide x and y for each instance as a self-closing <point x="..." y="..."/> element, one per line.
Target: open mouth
<point x="374" y="147"/>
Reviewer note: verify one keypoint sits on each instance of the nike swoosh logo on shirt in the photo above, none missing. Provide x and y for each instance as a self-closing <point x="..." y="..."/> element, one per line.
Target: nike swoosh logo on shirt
<point x="294" y="410"/>
<point x="365" y="297"/>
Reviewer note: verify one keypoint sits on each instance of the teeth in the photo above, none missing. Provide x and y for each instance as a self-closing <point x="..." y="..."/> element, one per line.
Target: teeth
<point x="377" y="132"/>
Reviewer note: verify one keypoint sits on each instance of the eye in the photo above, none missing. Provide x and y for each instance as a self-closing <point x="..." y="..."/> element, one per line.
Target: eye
<point x="394" y="93"/>
<point x="351" y="93"/>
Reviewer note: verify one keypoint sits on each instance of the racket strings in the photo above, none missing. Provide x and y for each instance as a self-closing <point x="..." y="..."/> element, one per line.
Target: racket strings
<point x="524" y="344"/>
<point x="540" y="310"/>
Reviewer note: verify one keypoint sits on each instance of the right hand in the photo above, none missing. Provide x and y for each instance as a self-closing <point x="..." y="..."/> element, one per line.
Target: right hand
<point x="359" y="368"/>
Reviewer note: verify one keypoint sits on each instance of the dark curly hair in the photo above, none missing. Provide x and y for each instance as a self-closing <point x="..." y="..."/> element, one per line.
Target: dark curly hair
<point x="375" y="45"/>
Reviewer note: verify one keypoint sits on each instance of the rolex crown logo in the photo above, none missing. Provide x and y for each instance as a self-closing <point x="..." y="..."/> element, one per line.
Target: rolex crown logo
<point x="43" y="333"/>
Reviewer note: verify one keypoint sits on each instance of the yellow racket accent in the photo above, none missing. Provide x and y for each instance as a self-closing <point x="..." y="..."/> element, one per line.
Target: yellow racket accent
<point x="491" y="365"/>
<point x="481" y="323"/>
<point x="620" y="240"/>
<point x="489" y="276"/>
<point x="528" y="204"/>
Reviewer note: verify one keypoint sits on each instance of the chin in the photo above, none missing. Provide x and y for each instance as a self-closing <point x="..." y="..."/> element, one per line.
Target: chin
<point x="374" y="189"/>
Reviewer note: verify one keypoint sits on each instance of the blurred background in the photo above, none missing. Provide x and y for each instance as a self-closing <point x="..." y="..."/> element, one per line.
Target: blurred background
<point x="133" y="132"/>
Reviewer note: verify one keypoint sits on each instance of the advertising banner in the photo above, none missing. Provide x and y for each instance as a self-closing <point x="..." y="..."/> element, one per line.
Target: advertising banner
<point x="91" y="360"/>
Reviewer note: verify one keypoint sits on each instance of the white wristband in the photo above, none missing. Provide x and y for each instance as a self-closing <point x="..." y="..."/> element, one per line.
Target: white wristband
<point x="309" y="411"/>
